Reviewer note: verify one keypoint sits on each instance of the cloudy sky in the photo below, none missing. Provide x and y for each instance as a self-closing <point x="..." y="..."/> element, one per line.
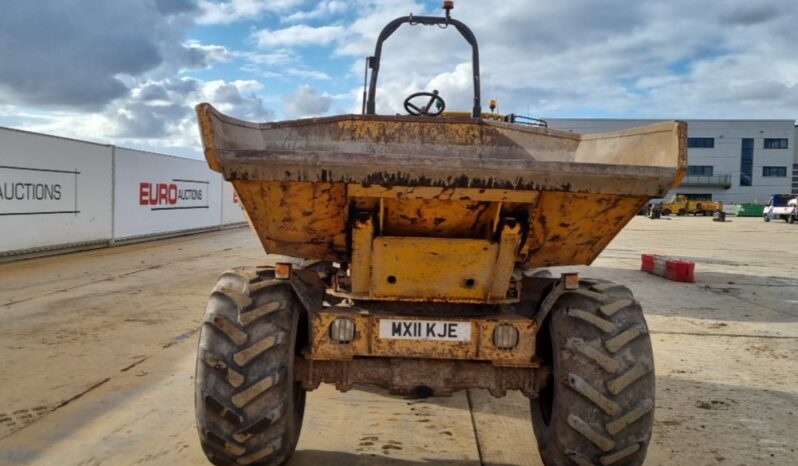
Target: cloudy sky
<point x="130" y="71"/>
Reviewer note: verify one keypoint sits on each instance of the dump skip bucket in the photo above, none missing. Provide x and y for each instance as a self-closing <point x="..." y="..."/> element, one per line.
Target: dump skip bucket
<point x="301" y="182"/>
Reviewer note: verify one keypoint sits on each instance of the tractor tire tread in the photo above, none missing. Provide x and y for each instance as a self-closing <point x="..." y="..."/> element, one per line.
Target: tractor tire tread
<point x="244" y="390"/>
<point x="604" y="414"/>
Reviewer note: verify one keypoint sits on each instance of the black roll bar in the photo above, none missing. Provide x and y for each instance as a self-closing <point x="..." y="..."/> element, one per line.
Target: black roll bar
<point x="390" y="28"/>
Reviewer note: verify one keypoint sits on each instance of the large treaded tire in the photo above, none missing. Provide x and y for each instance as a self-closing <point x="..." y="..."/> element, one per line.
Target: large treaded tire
<point x="598" y="405"/>
<point x="249" y="409"/>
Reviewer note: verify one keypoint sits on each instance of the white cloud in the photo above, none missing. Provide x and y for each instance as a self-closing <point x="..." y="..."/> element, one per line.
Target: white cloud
<point x="677" y="58"/>
<point x="648" y="59"/>
<point x="324" y="9"/>
<point x="236" y="98"/>
<point x="306" y="103"/>
<point x="308" y="74"/>
<point x="281" y="64"/>
<point x="124" y="84"/>
<point x="71" y="58"/>
<point x="93" y="127"/>
<point x="214" y="53"/>
<point x="157" y="115"/>
<point x="374" y="15"/>
<point x="299" y="35"/>
<point x="280" y="56"/>
<point x="229" y="11"/>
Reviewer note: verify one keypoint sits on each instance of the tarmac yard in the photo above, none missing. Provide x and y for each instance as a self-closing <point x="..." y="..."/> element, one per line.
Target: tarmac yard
<point x="98" y="356"/>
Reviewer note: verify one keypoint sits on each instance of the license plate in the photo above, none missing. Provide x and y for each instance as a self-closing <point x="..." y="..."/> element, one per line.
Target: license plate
<point x="436" y="330"/>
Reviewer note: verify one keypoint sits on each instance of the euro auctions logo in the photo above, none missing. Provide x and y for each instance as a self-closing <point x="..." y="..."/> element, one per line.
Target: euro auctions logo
<point x="174" y="195"/>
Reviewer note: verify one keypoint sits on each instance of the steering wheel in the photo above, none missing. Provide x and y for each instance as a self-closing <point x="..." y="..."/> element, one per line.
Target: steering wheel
<point x="425" y="110"/>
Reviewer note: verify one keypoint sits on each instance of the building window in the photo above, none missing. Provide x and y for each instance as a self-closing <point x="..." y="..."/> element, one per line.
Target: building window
<point x="747" y="162"/>
<point x="701" y="143"/>
<point x="700" y="170"/>
<point x="776" y="143"/>
<point x="774" y="171"/>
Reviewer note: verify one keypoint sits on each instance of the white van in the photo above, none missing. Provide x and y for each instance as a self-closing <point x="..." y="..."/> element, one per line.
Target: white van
<point x="793" y="204"/>
<point x="778" y="207"/>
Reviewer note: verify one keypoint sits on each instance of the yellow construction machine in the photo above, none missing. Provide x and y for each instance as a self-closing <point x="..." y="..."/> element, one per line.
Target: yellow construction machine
<point x="681" y="204"/>
<point x="410" y="252"/>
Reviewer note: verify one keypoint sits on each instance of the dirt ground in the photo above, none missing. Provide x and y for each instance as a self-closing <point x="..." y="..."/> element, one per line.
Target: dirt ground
<point x="98" y="359"/>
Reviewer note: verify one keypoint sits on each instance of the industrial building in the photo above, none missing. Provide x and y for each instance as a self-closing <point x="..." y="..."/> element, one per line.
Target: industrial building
<point x="733" y="161"/>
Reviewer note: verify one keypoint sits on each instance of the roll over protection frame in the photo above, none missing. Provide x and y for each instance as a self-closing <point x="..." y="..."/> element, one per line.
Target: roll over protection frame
<point x="373" y="62"/>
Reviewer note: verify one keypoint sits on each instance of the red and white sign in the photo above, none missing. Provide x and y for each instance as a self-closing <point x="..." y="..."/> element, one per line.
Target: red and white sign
<point x="156" y="194"/>
<point x="57" y="192"/>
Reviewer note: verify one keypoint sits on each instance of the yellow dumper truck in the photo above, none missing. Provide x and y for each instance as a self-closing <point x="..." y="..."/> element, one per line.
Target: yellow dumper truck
<point x="680" y="204"/>
<point x="412" y="257"/>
